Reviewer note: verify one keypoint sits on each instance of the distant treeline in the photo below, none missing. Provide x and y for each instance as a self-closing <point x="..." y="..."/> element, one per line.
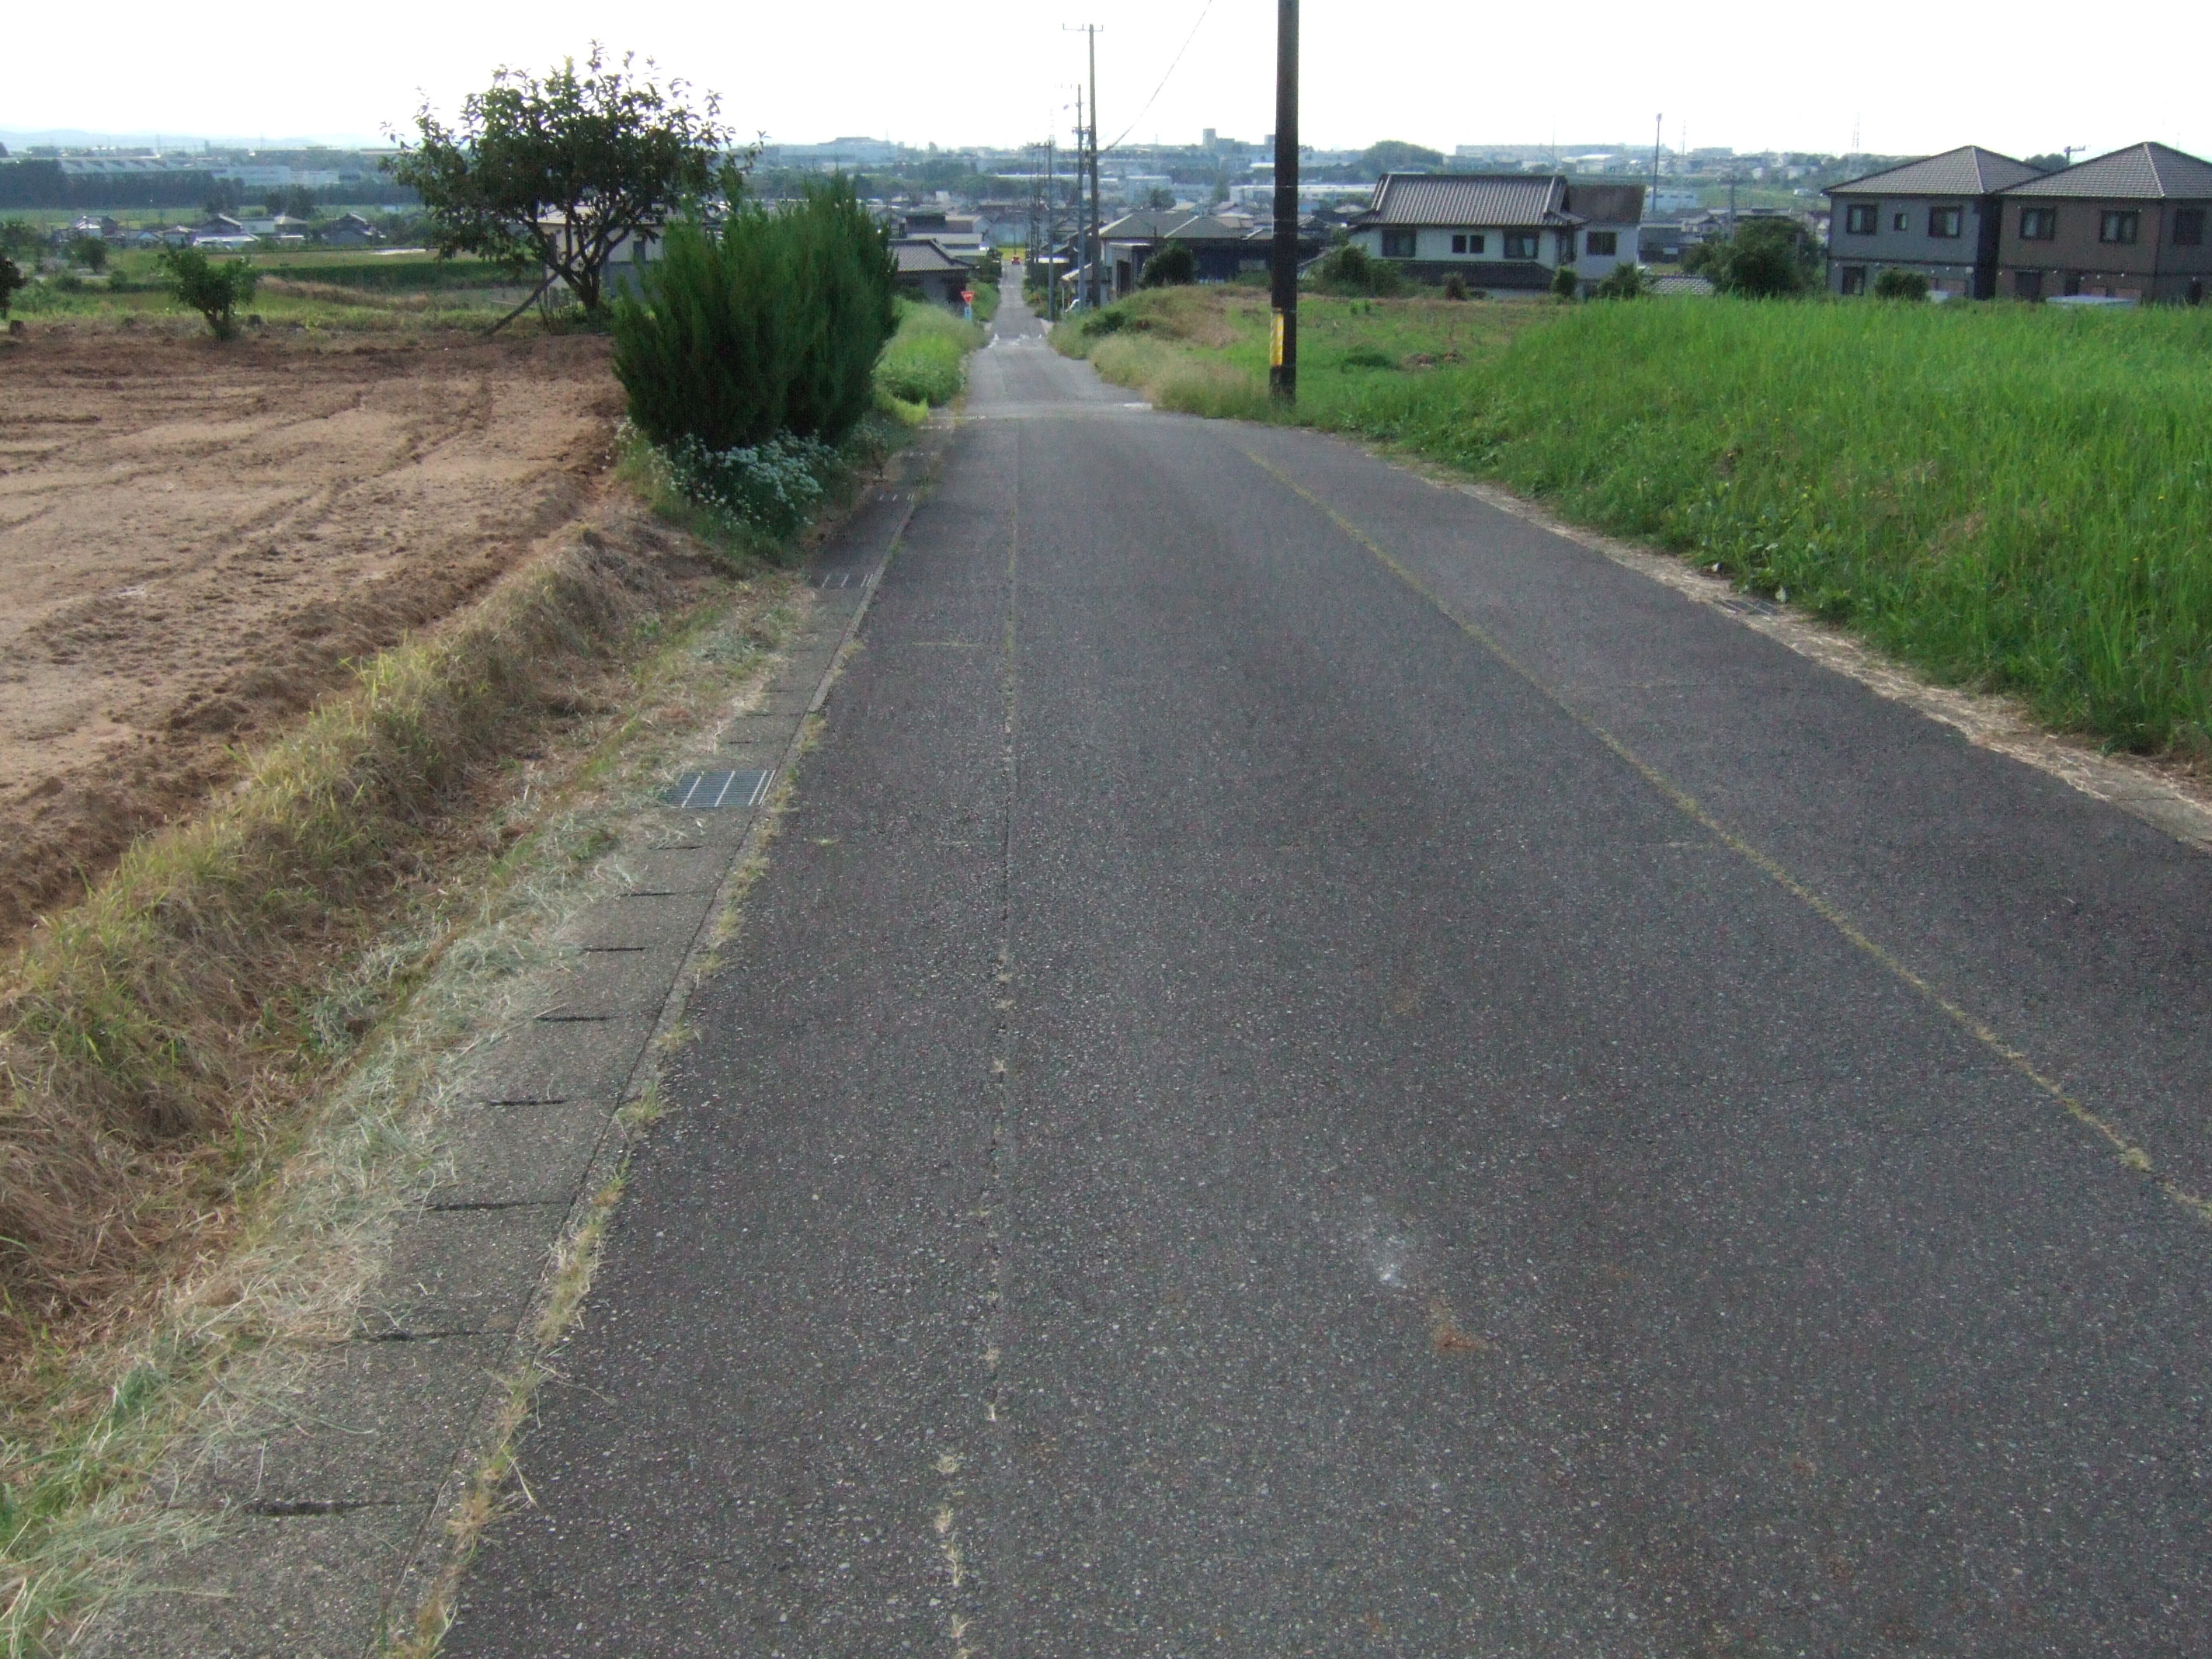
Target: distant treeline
<point x="42" y="184"/>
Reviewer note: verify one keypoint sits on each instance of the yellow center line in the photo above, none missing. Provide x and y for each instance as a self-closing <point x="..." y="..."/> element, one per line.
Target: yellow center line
<point x="2128" y="1151"/>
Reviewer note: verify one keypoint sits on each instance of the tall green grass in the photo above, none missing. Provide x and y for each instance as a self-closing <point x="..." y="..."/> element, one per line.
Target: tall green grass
<point x="925" y="362"/>
<point x="2012" y="497"/>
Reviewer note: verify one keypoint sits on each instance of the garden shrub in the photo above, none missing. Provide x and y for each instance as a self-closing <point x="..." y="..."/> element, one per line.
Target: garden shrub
<point x="215" y="290"/>
<point x="771" y="325"/>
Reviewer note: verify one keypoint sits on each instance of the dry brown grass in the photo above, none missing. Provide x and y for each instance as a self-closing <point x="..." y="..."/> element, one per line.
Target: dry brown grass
<point x="152" y="1039"/>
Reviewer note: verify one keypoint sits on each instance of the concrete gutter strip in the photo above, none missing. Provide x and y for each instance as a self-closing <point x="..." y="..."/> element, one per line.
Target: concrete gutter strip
<point x="330" y="1516"/>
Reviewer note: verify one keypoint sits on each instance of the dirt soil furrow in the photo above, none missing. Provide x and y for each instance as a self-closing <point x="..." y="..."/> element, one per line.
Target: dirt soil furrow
<point x="198" y="539"/>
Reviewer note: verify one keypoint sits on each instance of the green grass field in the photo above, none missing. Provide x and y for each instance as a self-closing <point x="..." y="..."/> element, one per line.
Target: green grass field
<point x="2010" y="497"/>
<point x="332" y="288"/>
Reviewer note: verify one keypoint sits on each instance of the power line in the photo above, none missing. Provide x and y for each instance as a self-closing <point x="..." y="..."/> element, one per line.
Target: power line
<point x="1164" y="79"/>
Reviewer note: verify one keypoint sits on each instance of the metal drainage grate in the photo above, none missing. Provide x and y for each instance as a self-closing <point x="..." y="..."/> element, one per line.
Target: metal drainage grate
<point x="705" y="791"/>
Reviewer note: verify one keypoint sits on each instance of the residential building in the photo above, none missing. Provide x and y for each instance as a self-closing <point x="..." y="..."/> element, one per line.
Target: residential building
<point x="1937" y="215"/>
<point x="350" y="230"/>
<point x="2126" y="226"/>
<point x="1500" y="230"/>
<point x="956" y="232"/>
<point x="927" y="270"/>
<point x="1222" y="250"/>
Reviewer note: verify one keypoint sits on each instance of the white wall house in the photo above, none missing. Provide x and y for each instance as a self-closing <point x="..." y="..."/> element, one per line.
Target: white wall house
<point x="1500" y="231"/>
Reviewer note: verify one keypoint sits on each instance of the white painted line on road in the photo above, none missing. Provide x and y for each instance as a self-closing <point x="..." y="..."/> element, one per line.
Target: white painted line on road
<point x="2001" y="725"/>
<point x="2128" y="1153"/>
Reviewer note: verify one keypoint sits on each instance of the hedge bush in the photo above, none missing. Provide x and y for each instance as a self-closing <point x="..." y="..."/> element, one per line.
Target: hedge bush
<point x="770" y="324"/>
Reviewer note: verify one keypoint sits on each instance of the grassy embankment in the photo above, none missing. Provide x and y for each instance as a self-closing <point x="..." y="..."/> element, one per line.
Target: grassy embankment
<point x="171" y="1047"/>
<point x="926" y="363"/>
<point x="2008" y="497"/>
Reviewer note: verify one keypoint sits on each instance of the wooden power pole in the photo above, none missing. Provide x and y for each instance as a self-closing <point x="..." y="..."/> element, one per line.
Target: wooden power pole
<point x="1283" y="274"/>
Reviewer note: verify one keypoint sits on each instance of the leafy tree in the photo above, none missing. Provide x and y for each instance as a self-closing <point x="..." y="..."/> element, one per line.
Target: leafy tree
<point x="1699" y="258"/>
<point x="1174" y="266"/>
<point x="11" y="279"/>
<point x="224" y="197"/>
<point x="214" y="289"/>
<point x="1159" y="199"/>
<point x="2054" y="162"/>
<point x="1625" y="280"/>
<point x="1565" y="284"/>
<point x="1454" y="286"/>
<point x="1894" y="285"/>
<point x="298" y="202"/>
<point x="19" y="237"/>
<point x="90" y="252"/>
<point x="1765" y="259"/>
<point x="561" y="170"/>
<point x="1397" y="155"/>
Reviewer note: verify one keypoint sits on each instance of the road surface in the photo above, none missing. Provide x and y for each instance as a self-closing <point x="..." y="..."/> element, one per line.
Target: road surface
<point x="1318" y="1070"/>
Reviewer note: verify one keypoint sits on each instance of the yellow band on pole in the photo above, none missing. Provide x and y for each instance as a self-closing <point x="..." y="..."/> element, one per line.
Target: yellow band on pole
<point x="1275" y="343"/>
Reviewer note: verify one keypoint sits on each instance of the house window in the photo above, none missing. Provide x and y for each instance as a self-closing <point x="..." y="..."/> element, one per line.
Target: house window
<point x="2189" y="227"/>
<point x="1474" y="241"/>
<point x="1602" y="244"/>
<point x="2114" y="226"/>
<point x="2037" y="224"/>
<point x="1854" y="279"/>
<point x="1862" y="219"/>
<point x="1900" y="221"/>
<point x="1520" y="244"/>
<point x="1945" y="221"/>
<point x="2028" y="285"/>
<point x="1398" y="242"/>
<point x="1459" y="242"/>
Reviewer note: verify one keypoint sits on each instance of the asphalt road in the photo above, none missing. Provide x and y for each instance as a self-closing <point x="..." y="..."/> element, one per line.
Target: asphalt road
<point x="1317" y="1070"/>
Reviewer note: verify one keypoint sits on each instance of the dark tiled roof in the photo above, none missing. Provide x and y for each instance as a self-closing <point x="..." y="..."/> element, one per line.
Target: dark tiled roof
<point x="1607" y="204"/>
<point x="1467" y="198"/>
<point x="918" y="254"/>
<point x="1141" y="227"/>
<point x="2149" y="172"/>
<point x="1969" y="170"/>
<point x="1203" y="228"/>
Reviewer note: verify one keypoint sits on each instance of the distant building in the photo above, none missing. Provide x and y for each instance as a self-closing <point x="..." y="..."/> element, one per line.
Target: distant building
<point x="927" y="270"/>
<point x="350" y="230"/>
<point x="1937" y="216"/>
<point x="2126" y="226"/>
<point x="1222" y="249"/>
<point x="1500" y="230"/>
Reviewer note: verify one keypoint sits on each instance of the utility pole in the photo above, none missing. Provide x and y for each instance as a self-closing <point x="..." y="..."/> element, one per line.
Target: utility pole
<point x="1283" y="272"/>
<point x="1098" y="252"/>
<point x="1658" y="128"/>
<point x="1091" y="252"/>
<point x="1082" y="229"/>
<point x="1051" y="232"/>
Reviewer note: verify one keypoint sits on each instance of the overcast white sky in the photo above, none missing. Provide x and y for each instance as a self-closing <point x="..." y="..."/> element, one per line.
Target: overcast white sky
<point x="2025" y="78"/>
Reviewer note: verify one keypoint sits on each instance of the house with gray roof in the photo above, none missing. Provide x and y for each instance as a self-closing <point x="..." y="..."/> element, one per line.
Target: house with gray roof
<point x="929" y="270"/>
<point x="1222" y="251"/>
<point x="2126" y="226"/>
<point x="1500" y="231"/>
<point x="1937" y="215"/>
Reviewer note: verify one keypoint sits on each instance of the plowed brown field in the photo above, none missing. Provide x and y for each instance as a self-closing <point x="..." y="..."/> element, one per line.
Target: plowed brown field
<point x="197" y="538"/>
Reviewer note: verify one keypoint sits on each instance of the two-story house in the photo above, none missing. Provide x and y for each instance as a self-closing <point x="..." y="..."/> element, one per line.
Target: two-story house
<point x="1938" y="217"/>
<point x="1499" y="230"/>
<point x="2127" y="226"/>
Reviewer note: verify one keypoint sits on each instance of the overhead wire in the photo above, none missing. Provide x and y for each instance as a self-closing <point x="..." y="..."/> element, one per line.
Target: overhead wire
<point x="1164" y="79"/>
